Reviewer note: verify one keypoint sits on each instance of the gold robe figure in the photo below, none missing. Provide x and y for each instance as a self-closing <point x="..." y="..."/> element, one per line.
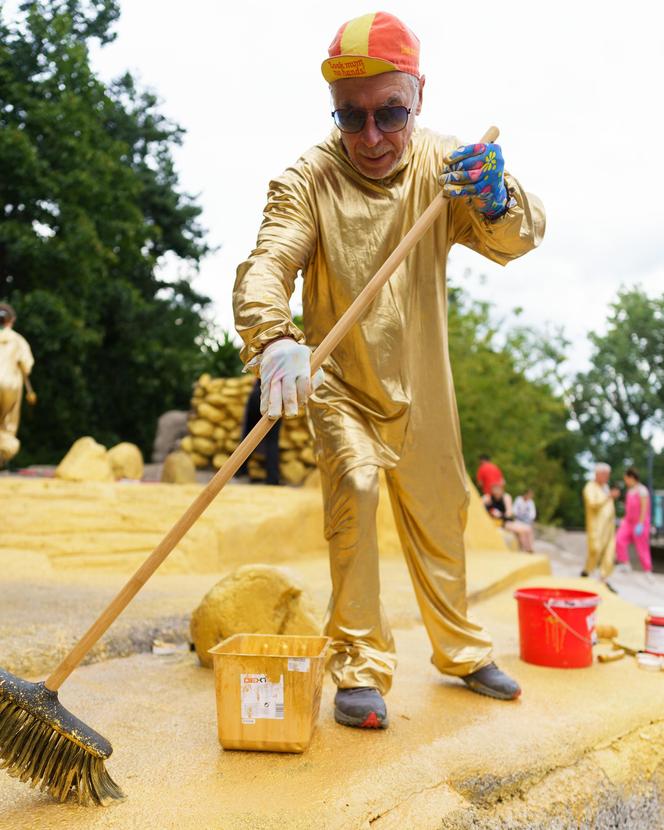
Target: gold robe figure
<point x="600" y="528"/>
<point x="388" y="397"/>
<point x="16" y="362"/>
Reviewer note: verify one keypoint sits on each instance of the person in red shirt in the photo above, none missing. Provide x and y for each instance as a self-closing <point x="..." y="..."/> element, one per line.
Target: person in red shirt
<point x="488" y="474"/>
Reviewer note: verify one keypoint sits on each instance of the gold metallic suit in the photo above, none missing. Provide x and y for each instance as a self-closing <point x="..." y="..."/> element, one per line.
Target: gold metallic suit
<point x="388" y="398"/>
<point x="600" y="528"/>
<point x="15" y="362"/>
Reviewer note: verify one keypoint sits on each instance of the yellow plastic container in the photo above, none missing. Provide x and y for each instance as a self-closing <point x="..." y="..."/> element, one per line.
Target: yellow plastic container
<point x="268" y="689"/>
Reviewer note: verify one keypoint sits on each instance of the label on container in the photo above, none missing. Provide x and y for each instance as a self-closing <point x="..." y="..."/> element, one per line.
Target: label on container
<point x="655" y="638"/>
<point x="259" y="698"/>
<point x="298" y="664"/>
<point x="591" y="622"/>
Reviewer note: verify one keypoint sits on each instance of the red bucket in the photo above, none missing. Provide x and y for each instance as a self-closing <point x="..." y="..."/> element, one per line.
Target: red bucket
<point x="557" y="626"/>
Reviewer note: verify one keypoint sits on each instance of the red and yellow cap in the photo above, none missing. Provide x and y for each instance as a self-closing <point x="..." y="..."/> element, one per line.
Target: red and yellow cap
<point x="370" y="45"/>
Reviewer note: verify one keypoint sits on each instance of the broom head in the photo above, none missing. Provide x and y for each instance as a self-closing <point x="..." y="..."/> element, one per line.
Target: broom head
<point x="41" y="742"/>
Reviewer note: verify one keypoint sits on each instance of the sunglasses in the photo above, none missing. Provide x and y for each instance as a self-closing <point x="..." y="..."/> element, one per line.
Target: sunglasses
<point x="386" y="119"/>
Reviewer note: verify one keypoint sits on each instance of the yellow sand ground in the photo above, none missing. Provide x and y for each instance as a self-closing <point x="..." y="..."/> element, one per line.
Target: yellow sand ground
<point x="576" y="739"/>
<point x="580" y="748"/>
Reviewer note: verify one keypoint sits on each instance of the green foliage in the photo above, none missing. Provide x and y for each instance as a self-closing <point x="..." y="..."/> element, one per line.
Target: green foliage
<point x="220" y="357"/>
<point x="619" y="401"/>
<point x="510" y="406"/>
<point x="91" y="208"/>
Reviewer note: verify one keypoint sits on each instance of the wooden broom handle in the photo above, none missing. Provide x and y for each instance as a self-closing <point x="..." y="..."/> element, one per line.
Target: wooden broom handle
<point x="354" y="312"/>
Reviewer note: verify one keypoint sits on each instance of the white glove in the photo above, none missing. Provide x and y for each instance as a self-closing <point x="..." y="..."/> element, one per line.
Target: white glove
<point x="286" y="382"/>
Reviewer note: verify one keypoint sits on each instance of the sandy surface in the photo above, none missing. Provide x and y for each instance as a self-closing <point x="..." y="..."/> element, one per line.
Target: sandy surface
<point x="159" y="713"/>
<point x="586" y="742"/>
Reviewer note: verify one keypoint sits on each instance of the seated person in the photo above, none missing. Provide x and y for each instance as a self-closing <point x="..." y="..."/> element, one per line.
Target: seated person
<point x="499" y="505"/>
<point x="524" y="508"/>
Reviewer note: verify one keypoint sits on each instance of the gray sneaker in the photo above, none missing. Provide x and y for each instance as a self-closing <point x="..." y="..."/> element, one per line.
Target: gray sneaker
<point x="362" y="707"/>
<point x="491" y="681"/>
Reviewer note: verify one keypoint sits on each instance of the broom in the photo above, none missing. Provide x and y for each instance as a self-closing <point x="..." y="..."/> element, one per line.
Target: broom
<point x="42" y="742"/>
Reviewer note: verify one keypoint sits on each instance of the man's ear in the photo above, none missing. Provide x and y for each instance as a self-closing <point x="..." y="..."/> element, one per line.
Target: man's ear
<point x="419" y="99"/>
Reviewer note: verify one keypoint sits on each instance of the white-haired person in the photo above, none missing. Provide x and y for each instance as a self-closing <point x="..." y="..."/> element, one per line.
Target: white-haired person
<point x="599" y="503"/>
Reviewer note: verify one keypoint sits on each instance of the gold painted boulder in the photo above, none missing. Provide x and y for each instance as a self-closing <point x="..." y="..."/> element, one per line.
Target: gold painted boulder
<point x="254" y="599"/>
<point x="86" y="461"/>
<point x="178" y="469"/>
<point x="126" y="460"/>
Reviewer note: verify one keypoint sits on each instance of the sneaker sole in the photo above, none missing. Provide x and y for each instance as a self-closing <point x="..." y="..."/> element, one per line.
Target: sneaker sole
<point x="487" y="691"/>
<point x="371" y="721"/>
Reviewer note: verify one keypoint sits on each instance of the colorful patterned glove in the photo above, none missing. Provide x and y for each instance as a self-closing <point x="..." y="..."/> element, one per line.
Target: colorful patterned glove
<point x="638" y="530"/>
<point x="476" y="172"/>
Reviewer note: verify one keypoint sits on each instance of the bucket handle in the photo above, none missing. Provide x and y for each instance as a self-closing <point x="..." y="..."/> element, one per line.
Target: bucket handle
<point x="549" y="607"/>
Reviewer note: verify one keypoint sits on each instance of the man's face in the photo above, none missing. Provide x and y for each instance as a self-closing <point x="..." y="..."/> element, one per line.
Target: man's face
<point x="602" y="476"/>
<point x="371" y="152"/>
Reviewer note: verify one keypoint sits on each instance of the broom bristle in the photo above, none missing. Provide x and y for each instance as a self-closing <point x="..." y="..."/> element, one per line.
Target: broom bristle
<point x="33" y="749"/>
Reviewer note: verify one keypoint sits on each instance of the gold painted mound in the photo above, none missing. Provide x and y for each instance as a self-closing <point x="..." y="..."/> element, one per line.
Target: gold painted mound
<point x="126" y="460"/>
<point x="178" y="469"/>
<point x="86" y="461"/>
<point x="254" y="599"/>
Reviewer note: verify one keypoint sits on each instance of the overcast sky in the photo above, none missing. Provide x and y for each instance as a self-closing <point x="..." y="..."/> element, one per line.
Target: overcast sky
<point x="573" y="87"/>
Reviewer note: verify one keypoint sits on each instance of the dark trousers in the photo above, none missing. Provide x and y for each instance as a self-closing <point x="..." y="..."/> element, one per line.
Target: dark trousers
<point x="269" y="446"/>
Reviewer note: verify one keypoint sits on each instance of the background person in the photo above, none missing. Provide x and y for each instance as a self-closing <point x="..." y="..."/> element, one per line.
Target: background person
<point x="16" y="362"/>
<point x="269" y="446"/>
<point x="499" y="505"/>
<point x="488" y="474"/>
<point x="635" y="526"/>
<point x="336" y="215"/>
<point x="598" y="501"/>
<point x="524" y="508"/>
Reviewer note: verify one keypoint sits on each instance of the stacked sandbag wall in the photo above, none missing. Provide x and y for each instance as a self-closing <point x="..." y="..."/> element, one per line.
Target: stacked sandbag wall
<point x="215" y="430"/>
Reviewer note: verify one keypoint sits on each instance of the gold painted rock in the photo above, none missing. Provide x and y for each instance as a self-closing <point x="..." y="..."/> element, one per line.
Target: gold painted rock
<point x="219" y="460"/>
<point x="313" y="479"/>
<point x="126" y="460"/>
<point x="204" y="446"/>
<point x="178" y="469"/>
<point x="200" y="428"/>
<point x="300" y="437"/>
<point x="307" y="456"/>
<point x="210" y="413"/>
<point x="254" y="599"/>
<point x="293" y="471"/>
<point x="215" y="399"/>
<point x="86" y="461"/>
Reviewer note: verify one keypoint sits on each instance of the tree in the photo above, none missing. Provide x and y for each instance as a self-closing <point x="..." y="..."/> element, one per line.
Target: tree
<point x="91" y="208"/>
<point x="521" y="421"/>
<point x="619" y="401"/>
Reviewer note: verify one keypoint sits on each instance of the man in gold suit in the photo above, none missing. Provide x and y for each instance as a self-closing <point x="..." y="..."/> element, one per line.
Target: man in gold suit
<point x="387" y="399"/>
<point x="599" y="503"/>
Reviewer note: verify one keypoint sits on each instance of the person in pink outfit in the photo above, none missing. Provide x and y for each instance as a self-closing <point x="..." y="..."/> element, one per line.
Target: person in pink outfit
<point x="635" y="526"/>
